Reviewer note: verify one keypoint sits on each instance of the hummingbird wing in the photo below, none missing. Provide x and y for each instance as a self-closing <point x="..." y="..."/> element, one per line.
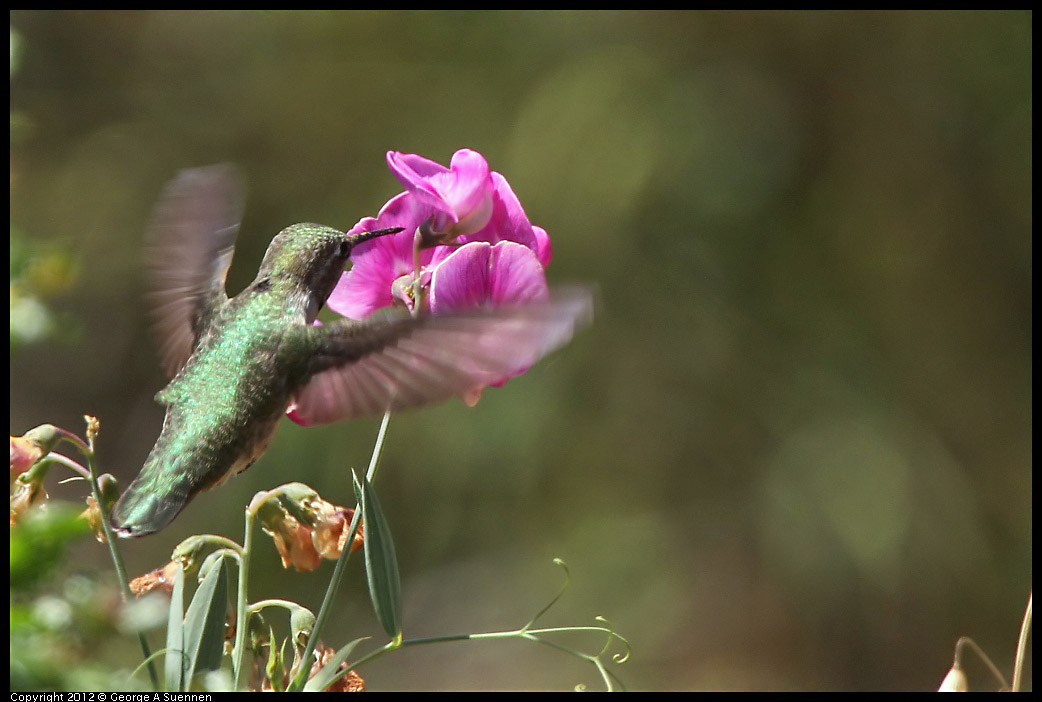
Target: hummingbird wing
<point x="397" y="362"/>
<point x="191" y="241"/>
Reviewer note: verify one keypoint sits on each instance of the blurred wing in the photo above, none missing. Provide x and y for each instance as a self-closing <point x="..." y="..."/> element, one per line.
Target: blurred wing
<point x="191" y="241"/>
<point x="366" y="368"/>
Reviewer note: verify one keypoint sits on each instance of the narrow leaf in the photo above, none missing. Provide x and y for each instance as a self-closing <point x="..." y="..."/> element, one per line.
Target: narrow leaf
<point x="274" y="668"/>
<point x="381" y="564"/>
<point x="204" y="624"/>
<point x="324" y="677"/>
<point x="175" y="635"/>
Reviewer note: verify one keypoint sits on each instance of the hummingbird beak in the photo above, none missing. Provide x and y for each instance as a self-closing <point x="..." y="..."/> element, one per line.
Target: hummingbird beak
<point x="356" y="239"/>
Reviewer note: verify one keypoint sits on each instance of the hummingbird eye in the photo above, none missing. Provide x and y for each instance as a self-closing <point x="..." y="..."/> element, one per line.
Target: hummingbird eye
<point x="345" y="249"/>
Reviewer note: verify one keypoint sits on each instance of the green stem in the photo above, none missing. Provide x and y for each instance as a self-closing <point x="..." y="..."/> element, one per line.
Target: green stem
<point x="221" y="542"/>
<point x="512" y="634"/>
<point x="117" y="559"/>
<point x="369" y="657"/>
<point x="68" y="463"/>
<point x="84" y="448"/>
<point x="1018" y="666"/>
<point x="523" y="633"/>
<point x="338" y="571"/>
<point x="967" y="642"/>
<point x="284" y="604"/>
<point x="241" y="623"/>
<point x="374" y="461"/>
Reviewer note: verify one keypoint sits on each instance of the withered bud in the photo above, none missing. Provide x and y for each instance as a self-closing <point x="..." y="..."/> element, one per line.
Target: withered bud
<point x="188" y="551"/>
<point x="109" y="489"/>
<point x="332" y="524"/>
<point x="304" y="527"/>
<point x="292" y="539"/>
<point x="24" y="495"/>
<point x="93" y="428"/>
<point x="159" y="579"/>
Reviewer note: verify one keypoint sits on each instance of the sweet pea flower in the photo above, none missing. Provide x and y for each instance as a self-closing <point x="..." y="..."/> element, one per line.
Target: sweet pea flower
<point x="458" y="205"/>
<point x="465" y="243"/>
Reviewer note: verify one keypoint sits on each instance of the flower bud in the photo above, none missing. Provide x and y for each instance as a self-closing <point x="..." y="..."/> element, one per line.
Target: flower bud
<point x="187" y="552"/>
<point x="36" y="443"/>
<point x="93" y="428"/>
<point x="258" y="633"/>
<point x="955" y="681"/>
<point x="27" y="491"/>
<point x="301" y="624"/>
<point x="292" y="539"/>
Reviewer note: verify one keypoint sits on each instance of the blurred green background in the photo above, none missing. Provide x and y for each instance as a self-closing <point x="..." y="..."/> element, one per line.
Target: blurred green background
<point x="794" y="450"/>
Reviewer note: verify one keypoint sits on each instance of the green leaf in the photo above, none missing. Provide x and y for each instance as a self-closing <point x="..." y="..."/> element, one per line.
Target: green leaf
<point x="381" y="565"/>
<point x="204" y="624"/>
<point x="175" y="635"/>
<point x="324" y="677"/>
<point x="274" y="669"/>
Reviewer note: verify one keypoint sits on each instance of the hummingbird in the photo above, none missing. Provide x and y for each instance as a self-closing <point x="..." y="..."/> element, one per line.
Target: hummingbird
<point x="237" y="365"/>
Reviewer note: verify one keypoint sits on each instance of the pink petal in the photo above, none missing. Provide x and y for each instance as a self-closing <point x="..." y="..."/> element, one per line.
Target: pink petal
<point x="470" y="185"/>
<point x="508" y="221"/>
<point x="515" y="275"/>
<point x="360" y="292"/>
<point x="460" y="194"/>
<point x="543" y="249"/>
<point x="419" y="175"/>
<point x="461" y="281"/>
<point x="412" y="170"/>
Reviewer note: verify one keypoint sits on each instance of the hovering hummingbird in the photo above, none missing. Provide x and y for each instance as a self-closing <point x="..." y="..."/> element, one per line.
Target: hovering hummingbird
<point x="236" y="365"/>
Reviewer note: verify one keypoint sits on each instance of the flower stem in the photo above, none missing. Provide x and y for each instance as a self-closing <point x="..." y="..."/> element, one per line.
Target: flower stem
<point x="83" y="448"/>
<point x="284" y="604"/>
<point x="338" y="571"/>
<point x="117" y="559"/>
<point x="240" y="604"/>
<point x="68" y="463"/>
<point x="1018" y="666"/>
<point x="374" y="461"/>
<point x="967" y="642"/>
<point x="611" y="681"/>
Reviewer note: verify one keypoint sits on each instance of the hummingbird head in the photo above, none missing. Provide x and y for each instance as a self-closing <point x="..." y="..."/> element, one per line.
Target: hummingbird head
<point x="312" y="257"/>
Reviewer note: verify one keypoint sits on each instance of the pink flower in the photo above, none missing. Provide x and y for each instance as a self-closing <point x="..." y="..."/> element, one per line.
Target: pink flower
<point x="464" y="204"/>
<point x="466" y="243"/>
